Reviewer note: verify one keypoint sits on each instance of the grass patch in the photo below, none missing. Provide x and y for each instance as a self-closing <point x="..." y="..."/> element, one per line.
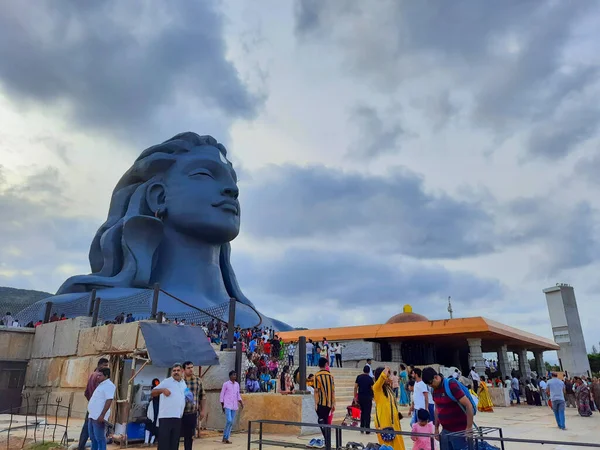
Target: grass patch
<point x="44" y="446"/>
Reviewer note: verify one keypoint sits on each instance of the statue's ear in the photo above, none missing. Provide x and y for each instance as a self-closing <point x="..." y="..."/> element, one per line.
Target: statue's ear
<point x="156" y="198"/>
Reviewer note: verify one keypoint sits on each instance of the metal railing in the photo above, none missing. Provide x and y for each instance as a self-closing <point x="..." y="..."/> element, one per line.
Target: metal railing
<point x="472" y="441"/>
<point x="482" y="435"/>
<point x="143" y="304"/>
<point x="328" y="430"/>
<point x="41" y="420"/>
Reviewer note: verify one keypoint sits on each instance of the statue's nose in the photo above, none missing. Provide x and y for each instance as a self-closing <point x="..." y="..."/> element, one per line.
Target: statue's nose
<point x="231" y="191"/>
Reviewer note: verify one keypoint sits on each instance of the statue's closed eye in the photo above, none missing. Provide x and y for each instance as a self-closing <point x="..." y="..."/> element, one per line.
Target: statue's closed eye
<point x="201" y="172"/>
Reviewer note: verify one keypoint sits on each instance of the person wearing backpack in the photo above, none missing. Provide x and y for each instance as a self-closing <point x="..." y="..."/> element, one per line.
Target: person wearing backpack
<point x="454" y="409"/>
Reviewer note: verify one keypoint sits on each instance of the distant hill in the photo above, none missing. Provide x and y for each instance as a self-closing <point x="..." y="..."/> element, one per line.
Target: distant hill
<point x="14" y="300"/>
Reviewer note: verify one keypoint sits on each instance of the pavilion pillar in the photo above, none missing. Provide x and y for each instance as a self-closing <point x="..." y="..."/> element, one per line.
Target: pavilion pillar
<point x="540" y="367"/>
<point x="476" y="355"/>
<point x="396" y="352"/>
<point x="503" y="362"/>
<point x="524" y="364"/>
<point x="456" y="358"/>
<point x="376" y="351"/>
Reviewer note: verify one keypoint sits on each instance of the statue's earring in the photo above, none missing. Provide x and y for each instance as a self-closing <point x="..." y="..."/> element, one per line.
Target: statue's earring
<point x="160" y="213"/>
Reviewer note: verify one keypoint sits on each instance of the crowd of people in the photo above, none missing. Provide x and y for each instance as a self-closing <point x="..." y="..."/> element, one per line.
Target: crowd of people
<point x="436" y="404"/>
<point x="324" y="349"/>
<point x="435" y="401"/>
<point x="8" y="320"/>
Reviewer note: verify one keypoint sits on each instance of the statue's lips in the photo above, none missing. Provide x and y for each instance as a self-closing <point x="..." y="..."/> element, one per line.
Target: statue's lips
<point x="228" y="205"/>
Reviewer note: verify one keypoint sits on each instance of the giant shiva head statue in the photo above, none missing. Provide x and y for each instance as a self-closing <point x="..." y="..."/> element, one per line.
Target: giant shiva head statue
<point x="184" y="186"/>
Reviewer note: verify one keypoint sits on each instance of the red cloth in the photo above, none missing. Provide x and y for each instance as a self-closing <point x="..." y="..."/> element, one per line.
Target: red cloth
<point x="267" y="348"/>
<point x="450" y="415"/>
<point x="354" y="412"/>
<point x="92" y="384"/>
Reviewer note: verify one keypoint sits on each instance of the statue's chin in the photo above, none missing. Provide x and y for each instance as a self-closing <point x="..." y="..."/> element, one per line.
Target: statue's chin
<point x="214" y="235"/>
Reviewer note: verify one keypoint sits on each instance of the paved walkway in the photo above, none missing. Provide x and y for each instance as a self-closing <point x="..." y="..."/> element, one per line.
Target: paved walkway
<point x="527" y="422"/>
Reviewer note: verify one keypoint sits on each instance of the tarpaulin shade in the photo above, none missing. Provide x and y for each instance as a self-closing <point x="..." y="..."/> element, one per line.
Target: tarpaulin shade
<point x="168" y="343"/>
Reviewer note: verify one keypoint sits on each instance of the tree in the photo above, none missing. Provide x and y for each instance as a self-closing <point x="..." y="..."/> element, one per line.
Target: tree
<point x="594" y="360"/>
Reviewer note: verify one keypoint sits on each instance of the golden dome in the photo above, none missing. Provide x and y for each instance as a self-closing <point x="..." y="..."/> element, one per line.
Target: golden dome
<point x="407" y="316"/>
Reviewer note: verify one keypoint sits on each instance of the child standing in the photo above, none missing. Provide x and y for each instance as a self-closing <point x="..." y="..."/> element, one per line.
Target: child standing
<point x="422" y="425"/>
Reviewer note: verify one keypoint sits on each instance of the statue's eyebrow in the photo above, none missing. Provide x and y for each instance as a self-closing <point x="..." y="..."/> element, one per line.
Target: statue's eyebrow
<point x="210" y="163"/>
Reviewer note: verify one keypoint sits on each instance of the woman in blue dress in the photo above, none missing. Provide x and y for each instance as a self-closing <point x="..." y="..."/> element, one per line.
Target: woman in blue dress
<point x="403" y="381"/>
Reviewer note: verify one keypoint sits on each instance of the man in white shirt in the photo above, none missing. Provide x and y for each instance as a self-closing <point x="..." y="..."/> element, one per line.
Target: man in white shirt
<point x="555" y="389"/>
<point x="8" y="319"/>
<point x="290" y="353"/>
<point x="309" y="352"/>
<point x="172" y="393"/>
<point x="99" y="409"/>
<point x="473" y="375"/>
<point x="420" y="395"/>
<point x="338" y="354"/>
<point x="331" y="355"/>
<point x="371" y="374"/>
<point x="543" y="387"/>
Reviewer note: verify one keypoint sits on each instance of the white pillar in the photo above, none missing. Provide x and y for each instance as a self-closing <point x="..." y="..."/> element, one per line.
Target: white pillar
<point x="524" y="364"/>
<point x="476" y="355"/>
<point x="540" y="367"/>
<point x="396" y="351"/>
<point x="503" y="362"/>
<point x="377" y="351"/>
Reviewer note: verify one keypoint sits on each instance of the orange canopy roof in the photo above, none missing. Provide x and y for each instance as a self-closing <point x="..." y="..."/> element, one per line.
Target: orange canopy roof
<point x="474" y="327"/>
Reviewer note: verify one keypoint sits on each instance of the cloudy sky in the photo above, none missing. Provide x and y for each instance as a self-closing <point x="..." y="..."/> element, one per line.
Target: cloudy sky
<point x="389" y="152"/>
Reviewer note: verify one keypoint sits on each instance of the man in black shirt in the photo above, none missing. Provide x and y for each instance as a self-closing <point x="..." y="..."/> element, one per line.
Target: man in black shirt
<point x="363" y="393"/>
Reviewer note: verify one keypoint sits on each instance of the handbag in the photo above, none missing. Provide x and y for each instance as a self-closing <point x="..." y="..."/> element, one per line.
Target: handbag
<point x="390" y="435"/>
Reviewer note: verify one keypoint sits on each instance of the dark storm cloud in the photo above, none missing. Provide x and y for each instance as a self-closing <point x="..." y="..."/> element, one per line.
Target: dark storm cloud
<point x="589" y="169"/>
<point x="35" y="236"/>
<point x="122" y="66"/>
<point x="567" y="232"/>
<point x="377" y="135"/>
<point x="556" y="137"/>
<point x="356" y="279"/>
<point x="307" y="15"/>
<point x="392" y="213"/>
<point x="514" y="60"/>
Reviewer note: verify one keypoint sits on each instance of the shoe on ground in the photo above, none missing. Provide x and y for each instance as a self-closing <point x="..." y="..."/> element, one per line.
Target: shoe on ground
<point x="312" y="443"/>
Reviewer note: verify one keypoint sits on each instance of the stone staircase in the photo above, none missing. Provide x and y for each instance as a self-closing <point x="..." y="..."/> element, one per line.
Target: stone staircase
<point x="344" y="389"/>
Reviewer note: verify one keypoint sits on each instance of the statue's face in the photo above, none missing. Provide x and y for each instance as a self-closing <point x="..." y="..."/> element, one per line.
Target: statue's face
<point x="201" y="196"/>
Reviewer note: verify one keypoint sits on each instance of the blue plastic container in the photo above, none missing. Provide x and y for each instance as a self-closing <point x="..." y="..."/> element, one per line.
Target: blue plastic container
<point x="136" y="430"/>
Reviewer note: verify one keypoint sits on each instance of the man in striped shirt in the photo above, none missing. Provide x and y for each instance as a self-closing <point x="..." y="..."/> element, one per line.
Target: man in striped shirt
<point x="324" y="398"/>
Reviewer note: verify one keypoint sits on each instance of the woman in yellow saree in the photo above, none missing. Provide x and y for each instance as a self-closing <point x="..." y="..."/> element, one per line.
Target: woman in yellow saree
<point x="386" y="408"/>
<point x="485" y="399"/>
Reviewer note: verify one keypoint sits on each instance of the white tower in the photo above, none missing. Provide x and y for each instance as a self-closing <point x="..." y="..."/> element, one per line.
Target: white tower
<point x="566" y="328"/>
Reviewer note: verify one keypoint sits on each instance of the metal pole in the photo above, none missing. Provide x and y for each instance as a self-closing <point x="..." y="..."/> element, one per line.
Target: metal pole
<point x="155" y="301"/>
<point x="96" y="311"/>
<point x="231" y="324"/>
<point x="47" y="312"/>
<point x="238" y="360"/>
<point x="91" y="305"/>
<point x="249" y="433"/>
<point x="302" y="362"/>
